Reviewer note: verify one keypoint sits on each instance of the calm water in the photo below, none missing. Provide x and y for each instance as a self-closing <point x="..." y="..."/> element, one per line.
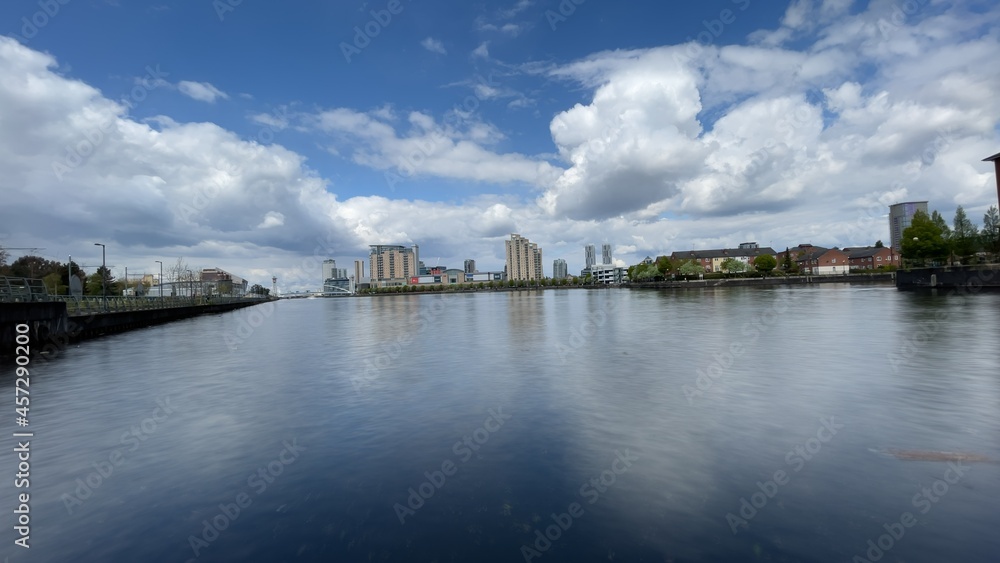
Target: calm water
<point x="328" y="420"/>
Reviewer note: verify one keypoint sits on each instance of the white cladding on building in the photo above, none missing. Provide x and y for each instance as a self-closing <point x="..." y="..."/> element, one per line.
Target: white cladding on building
<point x="606" y="254"/>
<point x="589" y="256"/>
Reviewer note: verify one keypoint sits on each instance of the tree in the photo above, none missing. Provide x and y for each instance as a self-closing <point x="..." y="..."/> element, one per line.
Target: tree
<point x="787" y="262"/>
<point x="95" y="285"/>
<point x="257" y="289"/>
<point x="990" y="235"/>
<point x="765" y="263"/>
<point x="663" y="265"/>
<point x="923" y="240"/>
<point x="965" y="236"/>
<point x="690" y="268"/>
<point x="733" y="266"/>
<point x="941" y="224"/>
<point x="4" y="256"/>
<point x="178" y="271"/>
<point x="878" y="244"/>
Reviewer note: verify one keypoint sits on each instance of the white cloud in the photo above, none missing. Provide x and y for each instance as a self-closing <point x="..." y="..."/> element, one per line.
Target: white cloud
<point x="482" y="51"/>
<point x="671" y="148"/>
<point x="434" y="46"/>
<point x="201" y="91"/>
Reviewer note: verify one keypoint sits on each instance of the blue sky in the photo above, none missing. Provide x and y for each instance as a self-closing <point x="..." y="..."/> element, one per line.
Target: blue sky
<point x="242" y="136"/>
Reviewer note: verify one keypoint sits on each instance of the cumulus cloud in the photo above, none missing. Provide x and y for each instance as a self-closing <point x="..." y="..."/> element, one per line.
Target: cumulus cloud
<point x="781" y="141"/>
<point x="201" y="91"/>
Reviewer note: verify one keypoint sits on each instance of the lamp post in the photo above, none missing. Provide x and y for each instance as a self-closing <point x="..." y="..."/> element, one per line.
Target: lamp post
<point x="190" y="285"/>
<point x="161" y="278"/>
<point x="104" y="273"/>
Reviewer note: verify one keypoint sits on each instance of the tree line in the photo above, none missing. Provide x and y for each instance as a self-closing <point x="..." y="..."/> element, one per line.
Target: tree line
<point x="56" y="275"/>
<point x="929" y="238"/>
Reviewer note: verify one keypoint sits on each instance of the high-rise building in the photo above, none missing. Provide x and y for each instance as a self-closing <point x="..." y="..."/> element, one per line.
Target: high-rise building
<point x="470" y="266"/>
<point x="900" y="217"/>
<point x="606" y="254"/>
<point x="524" y="259"/>
<point x="359" y="270"/>
<point x="329" y="269"/>
<point x="559" y="269"/>
<point x="392" y="264"/>
<point x="590" y="255"/>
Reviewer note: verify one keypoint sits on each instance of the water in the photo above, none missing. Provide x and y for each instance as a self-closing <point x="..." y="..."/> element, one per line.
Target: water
<point x="345" y="405"/>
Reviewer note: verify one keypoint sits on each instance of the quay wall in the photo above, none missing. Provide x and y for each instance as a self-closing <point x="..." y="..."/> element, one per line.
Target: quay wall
<point x="51" y="328"/>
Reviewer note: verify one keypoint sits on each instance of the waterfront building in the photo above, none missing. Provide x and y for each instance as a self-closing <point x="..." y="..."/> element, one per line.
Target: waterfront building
<point x="606" y="254"/>
<point x="589" y="256"/>
<point x="329" y="266"/>
<point x="359" y="271"/>
<point x="712" y="259"/>
<point x="870" y="257"/>
<point x="605" y="274"/>
<point x="900" y="217"/>
<point x="524" y="259"/>
<point x="559" y="269"/>
<point x="216" y="281"/>
<point x="470" y="266"/>
<point x="392" y="264"/>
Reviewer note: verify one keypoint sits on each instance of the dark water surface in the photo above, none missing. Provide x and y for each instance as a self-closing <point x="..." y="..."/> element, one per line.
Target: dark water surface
<point x="328" y="420"/>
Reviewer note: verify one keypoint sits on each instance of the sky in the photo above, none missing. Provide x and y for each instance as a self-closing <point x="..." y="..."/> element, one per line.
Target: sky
<point x="264" y="137"/>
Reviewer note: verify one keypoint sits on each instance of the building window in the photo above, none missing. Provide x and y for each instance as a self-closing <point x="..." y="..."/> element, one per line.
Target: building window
<point x="879" y="258"/>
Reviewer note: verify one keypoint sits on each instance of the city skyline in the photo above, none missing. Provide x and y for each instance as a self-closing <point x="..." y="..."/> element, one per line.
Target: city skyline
<point x="659" y="126"/>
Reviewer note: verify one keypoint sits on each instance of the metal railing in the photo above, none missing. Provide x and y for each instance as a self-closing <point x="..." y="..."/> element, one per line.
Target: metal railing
<point x="90" y="304"/>
<point x="22" y="289"/>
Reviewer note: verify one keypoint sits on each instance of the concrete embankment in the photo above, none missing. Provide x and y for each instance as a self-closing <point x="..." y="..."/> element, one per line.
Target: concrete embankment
<point x="976" y="278"/>
<point x="764" y="282"/>
<point x="50" y="328"/>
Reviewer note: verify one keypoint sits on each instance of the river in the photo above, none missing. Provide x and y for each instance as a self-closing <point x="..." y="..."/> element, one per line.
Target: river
<point x="741" y="424"/>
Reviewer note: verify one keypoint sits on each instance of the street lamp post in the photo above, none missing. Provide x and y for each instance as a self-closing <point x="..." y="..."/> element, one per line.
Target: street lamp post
<point x="104" y="273"/>
<point x="161" y="278"/>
